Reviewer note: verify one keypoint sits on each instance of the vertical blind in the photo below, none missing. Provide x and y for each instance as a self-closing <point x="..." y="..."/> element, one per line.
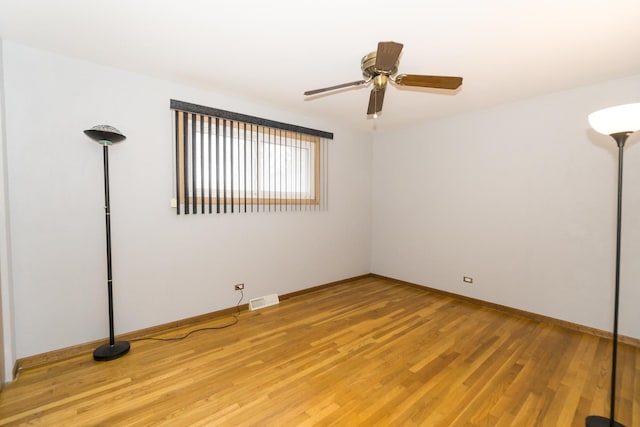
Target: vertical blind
<point x="228" y="162"/>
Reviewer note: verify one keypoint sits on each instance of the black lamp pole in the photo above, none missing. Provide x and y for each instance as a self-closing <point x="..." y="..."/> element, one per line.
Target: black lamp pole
<point x="617" y="122"/>
<point x="593" y="420"/>
<point x="106" y="136"/>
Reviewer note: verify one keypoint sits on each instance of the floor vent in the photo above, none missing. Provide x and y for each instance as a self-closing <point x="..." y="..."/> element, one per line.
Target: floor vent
<point x="262" y="302"/>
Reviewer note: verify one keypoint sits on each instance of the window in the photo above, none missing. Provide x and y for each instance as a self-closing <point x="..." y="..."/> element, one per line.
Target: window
<point x="228" y="162"/>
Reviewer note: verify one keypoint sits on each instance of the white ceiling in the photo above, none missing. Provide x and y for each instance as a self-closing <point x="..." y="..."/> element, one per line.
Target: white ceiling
<point x="272" y="51"/>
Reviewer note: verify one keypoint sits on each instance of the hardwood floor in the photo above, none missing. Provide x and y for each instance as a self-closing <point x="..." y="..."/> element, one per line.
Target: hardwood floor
<point x="369" y="352"/>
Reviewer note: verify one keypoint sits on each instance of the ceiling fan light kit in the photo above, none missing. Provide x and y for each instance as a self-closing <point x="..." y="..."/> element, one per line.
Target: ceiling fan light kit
<point x="381" y="67"/>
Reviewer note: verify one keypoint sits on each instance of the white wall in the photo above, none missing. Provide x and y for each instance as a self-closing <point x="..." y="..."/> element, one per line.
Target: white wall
<point x="522" y="198"/>
<point x="165" y="267"/>
<point x="7" y="332"/>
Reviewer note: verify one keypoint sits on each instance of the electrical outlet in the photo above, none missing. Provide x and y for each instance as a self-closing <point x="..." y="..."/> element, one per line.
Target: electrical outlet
<point x="467" y="279"/>
<point x="239" y="287"/>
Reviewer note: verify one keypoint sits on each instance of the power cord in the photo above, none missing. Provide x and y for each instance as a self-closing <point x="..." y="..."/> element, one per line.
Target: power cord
<point x="236" y="317"/>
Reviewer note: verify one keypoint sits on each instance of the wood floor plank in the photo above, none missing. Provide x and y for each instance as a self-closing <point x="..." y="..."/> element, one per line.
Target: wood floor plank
<point x="367" y="352"/>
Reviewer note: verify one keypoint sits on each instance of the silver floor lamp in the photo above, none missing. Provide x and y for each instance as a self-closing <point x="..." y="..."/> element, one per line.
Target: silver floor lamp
<point x="107" y="135"/>
<point x="618" y="122"/>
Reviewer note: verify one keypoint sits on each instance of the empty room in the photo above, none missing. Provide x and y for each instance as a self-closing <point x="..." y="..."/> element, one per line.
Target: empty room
<point x="293" y="213"/>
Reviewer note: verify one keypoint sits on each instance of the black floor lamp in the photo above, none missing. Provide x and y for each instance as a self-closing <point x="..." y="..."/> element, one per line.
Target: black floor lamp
<point x="106" y="136"/>
<point x="618" y="122"/>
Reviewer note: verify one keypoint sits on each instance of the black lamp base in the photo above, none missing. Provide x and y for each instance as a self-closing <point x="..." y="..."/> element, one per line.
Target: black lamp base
<point x="596" y="421"/>
<point x="109" y="352"/>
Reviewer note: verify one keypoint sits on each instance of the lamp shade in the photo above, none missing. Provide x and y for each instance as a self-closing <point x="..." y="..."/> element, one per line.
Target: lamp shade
<point x="105" y="134"/>
<point x="623" y="118"/>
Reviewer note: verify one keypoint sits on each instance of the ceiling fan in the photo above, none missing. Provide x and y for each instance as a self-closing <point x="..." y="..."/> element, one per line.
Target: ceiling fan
<point x="381" y="67"/>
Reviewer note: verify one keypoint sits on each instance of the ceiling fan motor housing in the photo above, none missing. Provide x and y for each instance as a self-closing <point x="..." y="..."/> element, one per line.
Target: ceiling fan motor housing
<point x="369" y="70"/>
<point x="380" y="81"/>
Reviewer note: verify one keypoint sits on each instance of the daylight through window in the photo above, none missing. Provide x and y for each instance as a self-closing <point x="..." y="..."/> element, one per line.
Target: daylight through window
<point x="227" y="162"/>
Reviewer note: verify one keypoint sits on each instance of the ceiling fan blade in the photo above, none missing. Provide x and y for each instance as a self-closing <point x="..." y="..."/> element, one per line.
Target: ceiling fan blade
<point x="340" y="86"/>
<point x="375" y="100"/>
<point x="438" y="82"/>
<point x="387" y="56"/>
